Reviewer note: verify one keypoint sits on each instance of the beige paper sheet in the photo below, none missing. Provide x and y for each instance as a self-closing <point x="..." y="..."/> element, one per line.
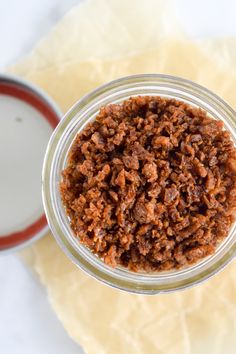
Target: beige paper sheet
<point x="222" y="51"/>
<point x="103" y="320"/>
<point x="105" y="29"/>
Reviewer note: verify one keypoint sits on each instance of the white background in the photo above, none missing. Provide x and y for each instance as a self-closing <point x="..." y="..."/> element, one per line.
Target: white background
<point x="28" y="325"/>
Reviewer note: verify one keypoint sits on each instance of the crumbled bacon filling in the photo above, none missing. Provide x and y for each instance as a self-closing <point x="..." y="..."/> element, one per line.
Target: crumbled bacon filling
<point x="151" y="184"/>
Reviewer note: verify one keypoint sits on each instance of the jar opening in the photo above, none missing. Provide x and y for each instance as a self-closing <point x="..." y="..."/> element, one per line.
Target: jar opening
<point x="83" y="112"/>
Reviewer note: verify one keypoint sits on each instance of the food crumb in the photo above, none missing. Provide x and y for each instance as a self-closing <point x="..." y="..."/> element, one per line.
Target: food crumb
<point x="150" y="184"/>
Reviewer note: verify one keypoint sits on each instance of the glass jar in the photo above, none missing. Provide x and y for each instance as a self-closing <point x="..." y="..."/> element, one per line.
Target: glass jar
<point x="83" y="112"/>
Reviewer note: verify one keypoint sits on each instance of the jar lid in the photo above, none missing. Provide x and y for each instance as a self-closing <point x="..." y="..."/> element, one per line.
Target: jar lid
<point x="28" y="117"/>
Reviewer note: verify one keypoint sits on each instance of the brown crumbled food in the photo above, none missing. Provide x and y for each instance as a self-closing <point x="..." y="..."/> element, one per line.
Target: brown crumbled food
<point x="151" y="184"/>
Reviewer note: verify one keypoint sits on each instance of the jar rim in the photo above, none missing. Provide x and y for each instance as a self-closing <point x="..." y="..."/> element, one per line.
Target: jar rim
<point x="84" y="111"/>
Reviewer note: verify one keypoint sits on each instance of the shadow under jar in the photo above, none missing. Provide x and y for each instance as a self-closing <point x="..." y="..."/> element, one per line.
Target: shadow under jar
<point x="84" y="112"/>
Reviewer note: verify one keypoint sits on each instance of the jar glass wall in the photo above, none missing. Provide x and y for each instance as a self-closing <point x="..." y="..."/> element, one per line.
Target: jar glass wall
<point x="83" y="112"/>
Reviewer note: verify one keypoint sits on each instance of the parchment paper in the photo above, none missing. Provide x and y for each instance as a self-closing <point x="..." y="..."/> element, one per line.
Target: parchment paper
<point x="222" y="51"/>
<point x="106" y="321"/>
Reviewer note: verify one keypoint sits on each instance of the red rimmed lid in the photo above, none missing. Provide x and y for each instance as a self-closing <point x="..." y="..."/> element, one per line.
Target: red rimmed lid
<point x="28" y="118"/>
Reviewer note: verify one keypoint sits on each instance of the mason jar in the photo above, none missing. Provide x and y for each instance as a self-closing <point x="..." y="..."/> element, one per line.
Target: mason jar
<point x="85" y="111"/>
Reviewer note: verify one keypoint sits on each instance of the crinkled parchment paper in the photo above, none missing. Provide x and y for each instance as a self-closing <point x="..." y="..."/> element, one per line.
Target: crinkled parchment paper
<point x="97" y="42"/>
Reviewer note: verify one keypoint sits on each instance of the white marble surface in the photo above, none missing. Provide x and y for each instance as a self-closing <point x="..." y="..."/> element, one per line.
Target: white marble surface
<point x="27" y="323"/>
